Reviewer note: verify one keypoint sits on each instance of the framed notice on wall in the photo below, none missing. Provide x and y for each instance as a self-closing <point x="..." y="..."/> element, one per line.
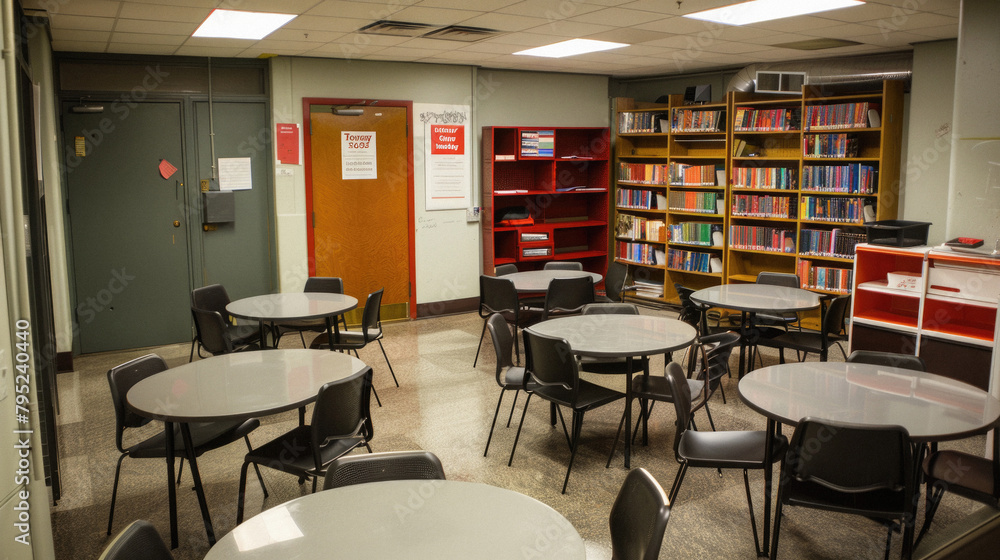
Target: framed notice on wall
<point x="447" y="162"/>
<point x="357" y="155"/>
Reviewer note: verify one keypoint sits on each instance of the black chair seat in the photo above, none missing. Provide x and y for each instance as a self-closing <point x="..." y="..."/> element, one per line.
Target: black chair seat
<point x="975" y="473"/>
<point x="514" y="376"/>
<point x="588" y="396"/>
<point x="657" y="387"/>
<point x="730" y="450"/>
<point x="877" y="504"/>
<point x="242" y="335"/>
<point x="205" y="436"/>
<point x="301" y="459"/>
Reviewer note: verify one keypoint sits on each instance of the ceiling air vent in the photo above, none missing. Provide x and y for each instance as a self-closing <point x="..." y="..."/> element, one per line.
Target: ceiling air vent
<point x="780" y="82"/>
<point x="396" y="28"/>
<point x="462" y="33"/>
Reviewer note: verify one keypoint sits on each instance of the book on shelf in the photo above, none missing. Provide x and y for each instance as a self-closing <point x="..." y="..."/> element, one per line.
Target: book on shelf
<point x="720" y="177"/>
<point x="874" y="119"/>
<point x="715" y="264"/>
<point x="742" y="148"/>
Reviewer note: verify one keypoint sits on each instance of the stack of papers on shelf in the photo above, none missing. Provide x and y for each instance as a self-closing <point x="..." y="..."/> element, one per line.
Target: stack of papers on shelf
<point x="648" y="289"/>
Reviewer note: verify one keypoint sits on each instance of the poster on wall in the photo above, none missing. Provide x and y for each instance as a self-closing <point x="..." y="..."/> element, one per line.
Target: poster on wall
<point x="357" y="155"/>
<point x="288" y="143"/>
<point x="447" y="161"/>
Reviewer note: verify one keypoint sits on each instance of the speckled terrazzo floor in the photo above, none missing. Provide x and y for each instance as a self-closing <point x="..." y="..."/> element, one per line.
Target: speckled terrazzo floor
<point x="445" y="406"/>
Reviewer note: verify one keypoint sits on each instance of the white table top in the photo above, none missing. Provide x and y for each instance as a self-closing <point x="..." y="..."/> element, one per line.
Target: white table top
<point x="538" y="280"/>
<point x="618" y="336"/>
<point x="763" y="298"/>
<point x="240" y="385"/>
<point x="292" y="306"/>
<point x="929" y="406"/>
<point x="412" y="519"/>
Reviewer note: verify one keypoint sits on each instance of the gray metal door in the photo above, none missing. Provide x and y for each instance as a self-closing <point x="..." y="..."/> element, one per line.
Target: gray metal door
<point x="128" y="226"/>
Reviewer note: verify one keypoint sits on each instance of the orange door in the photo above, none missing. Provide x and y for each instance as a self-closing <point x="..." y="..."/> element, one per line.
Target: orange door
<point x="361" y="223"/>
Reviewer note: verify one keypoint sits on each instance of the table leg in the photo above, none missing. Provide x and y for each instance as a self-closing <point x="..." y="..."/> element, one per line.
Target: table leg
<point x="743" y="343"/>
<point x="168" y="428"/>
<point x="199" y="489"/>
<point x="773" y="429"/>
<point x="263" y="335"/>
<point x="628" y="413"/>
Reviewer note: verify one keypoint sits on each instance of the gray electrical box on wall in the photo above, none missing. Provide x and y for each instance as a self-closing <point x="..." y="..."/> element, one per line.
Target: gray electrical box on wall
<point x="218" y="207"/>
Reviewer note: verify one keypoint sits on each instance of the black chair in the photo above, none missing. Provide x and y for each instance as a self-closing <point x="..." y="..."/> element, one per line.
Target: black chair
<point x="562" y="265"/>
<point x="205" y="436"/>
<point x="567" y="296"/>
<point x="215" y="298"/>
<point x="850" y="468"/>
<point x="614" y="283"/>
<point x="314" y="284"/>
<point x="555" y="377"/>
<point x="783" y="320"/>
<point x="712" y="358"/>
<point x="807" y="341"/>
<point x="692" y="313"/>
<point x="717" y="450"/>
<point x="508" y="376"/>
<point x="504" y="269"/>
<point x="970" y="476"/>
<point x="497" y="295"/>
<point x="613" y="366"/>
<point x="138" y="541"/>
<point x="371" y="331"/>
<point x="377" y="467"/>
<point x="213" y="334"/>
<point x="341" y="421"/>
<point x="891" y="359"/>
<point x="638" y="518"/>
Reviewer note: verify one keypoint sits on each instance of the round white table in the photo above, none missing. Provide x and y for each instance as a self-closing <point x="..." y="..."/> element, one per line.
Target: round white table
<point x="232" y="386"/>
<point x="413" y="519"/>
<point x="931" y="407"/>
<point x="750" y="299"/>
<point x="277" y="308"/>
<point x="619" y="336"/>
<point x="538" y="280"/>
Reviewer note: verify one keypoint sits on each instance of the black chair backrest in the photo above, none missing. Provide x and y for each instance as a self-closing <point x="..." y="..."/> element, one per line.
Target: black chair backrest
<point x="552" y="363"/>
<point x="610" y="309"/>
<point x="681" y="392"/>
<point x="690" y="311"/>
<point x="835" y="315"/>
<point x="503" y="341"/>
<point x="324" y="284"/>
<point x="138" y="541"/>
<point x="212" y="297"/>
<point x="562" y="265"/>
<point x="504" y="269"/>
<point x="891" y="359"/>
<point x="377" y="467"/>
<point x="342" y="411"/>
<point x="851" y="458"/>
<point x="716" y="350"/>
<point x="496" y="295"/>
<point x="371" y="317"/>
<point x="121" y="378"/>
<point x="568" y="295"/>
<point x="211" y="330"/>
<point x="614" y="280"/>
<point x="638" y="518"/>
<point x="779" y="279"/>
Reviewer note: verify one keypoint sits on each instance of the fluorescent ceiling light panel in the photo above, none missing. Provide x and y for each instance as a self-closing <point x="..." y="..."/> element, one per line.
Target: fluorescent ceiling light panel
<point x="765" y="10"/>
<point x="572" y="47"/>
<point x="232" y="24"/>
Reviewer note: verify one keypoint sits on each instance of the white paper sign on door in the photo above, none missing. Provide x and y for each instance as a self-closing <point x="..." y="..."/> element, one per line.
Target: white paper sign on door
<point x="357" y="155"/>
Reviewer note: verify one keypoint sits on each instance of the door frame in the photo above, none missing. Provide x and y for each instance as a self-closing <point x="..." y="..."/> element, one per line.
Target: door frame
<point x="307" y="102"/>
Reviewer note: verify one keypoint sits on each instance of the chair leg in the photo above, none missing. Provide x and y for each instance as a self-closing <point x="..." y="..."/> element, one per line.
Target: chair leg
<point x="519" y="426"/>
<point x="242" y="494"/>
<point x="377" y="400"/>
<point x="114" y="492"/>
<point x="617" y="435"/>
<point x="180" y="471"/>
<point x="777" y="526"/>
<point x="302" y="338"/>
<point x="193" y="342"/>
<point x="384" y="355"/>
<point x="480" y="347"/>
<point x="495" y="414"/>
<point x="256" y="468"/>
<point x="676" y="486"/>
<point x="512" y="405"/>
<point x="888" y="541"/>
<point x="577" y="428"/>
<point x="933" y="500"/>
<point x="753" y="518"/>
<point x="723" y="390"/>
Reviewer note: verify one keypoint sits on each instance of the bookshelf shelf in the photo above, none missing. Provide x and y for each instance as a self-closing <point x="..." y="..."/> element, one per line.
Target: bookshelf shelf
<point x="555" y="185"/>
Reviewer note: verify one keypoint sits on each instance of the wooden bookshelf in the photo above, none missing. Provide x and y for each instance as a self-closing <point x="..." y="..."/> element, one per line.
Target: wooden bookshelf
<point x="558" y="176"/>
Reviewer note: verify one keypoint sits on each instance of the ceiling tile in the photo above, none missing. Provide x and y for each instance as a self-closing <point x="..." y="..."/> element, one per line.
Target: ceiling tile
<point x="504" y="22"/>
<point x="219" y="52"/>
<point x="97" y="8"/>
<point x="78" y="46"/>
<point x="552" y="10"/>
<point x="61" y="22"/>
<point x="142" y="48"/>
<point x="159" y="27"/>
<point x="285" y="34"/>
<point x="360" y="10"/>
<point x="570" y="29"/>
<point x="80" y="35"/>
<point x="621" y="17"/>
<point x="132" y="10"/>
<point x="325" y="23"/>
<point x="151" y="38"/>
<point x="434" y="16"/>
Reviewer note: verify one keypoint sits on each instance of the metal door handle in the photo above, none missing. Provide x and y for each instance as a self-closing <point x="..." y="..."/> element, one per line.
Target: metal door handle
<point x="177" y="223"/>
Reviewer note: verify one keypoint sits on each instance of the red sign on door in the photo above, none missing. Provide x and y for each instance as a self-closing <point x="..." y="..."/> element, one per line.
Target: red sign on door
<point x="448" y="139"/>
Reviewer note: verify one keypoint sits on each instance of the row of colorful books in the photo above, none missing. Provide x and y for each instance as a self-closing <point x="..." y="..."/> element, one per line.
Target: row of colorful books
<point x="829" y="146"/>
<point x="846" y="178"/>
<point x="696" y="120"/>
<point x="640" y="122"/>
<point x="762" y="238"/>
<point x="751" y="119"/>
<point x="693" y="201"/>
<point x="832" y="209"/>
<point x="781" y="178"/>
<point x="645" y="173"/>
<point x="763" y="206"/>
<point x="682" y="174"/>
<point x="842" y="115"/>
<point x="696" y="233"/>
<point x="639" y="228"/>
<point x="641" y="253"/>
<point x="826" y="278"/>
<point x="829" y="243"/>
<point x="692" y="261"/>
